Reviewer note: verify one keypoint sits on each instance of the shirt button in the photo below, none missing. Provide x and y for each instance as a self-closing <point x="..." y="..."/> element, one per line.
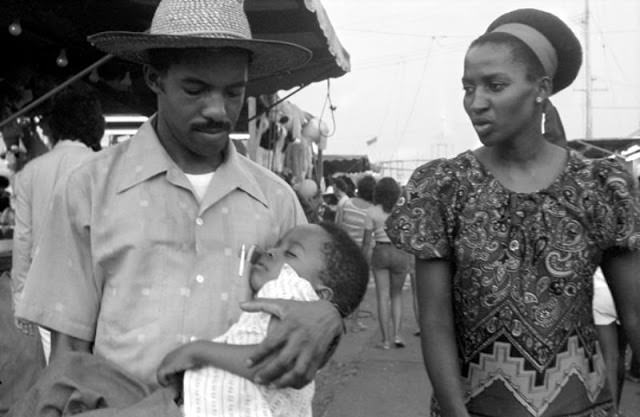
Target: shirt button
<point x="200" y="279"/>
<point x="514" y="245"/>
<point x="199" y="221"/>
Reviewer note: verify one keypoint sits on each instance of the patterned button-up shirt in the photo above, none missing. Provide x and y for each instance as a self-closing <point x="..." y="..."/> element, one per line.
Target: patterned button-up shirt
<point x="132" y="261"/>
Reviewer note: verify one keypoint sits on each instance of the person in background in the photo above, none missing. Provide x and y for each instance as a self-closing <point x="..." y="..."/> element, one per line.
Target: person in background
<point x="389" y="264"/>
<point x="74" y="125"/>
<point x="507" y="238"/>
<point x="342" y="193"/>
<point x="353" y="212"/>
<point x="142" y="250"/>
<point x="351" y="217"/>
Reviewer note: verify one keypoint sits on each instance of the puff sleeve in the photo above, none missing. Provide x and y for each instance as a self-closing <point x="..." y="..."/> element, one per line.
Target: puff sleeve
<point x="618" y="222"/>
<point x="422" y="223"/>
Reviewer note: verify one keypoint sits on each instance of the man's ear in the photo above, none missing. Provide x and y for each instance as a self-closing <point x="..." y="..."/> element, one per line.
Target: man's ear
<point x="153" y="78"/>
<point x="325" y="293"/>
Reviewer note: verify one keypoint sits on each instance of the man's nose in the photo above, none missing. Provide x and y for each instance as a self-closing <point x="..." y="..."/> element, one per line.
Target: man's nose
<point x="214" y="106"/>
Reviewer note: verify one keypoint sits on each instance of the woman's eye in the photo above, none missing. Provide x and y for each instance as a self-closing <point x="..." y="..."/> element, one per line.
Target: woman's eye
<point x="192" y="92"/>
<point x="290" y="254"/>
<point x="235" y="92"/>
<point x="468" y="89"/>
<point x="497" y="86"/>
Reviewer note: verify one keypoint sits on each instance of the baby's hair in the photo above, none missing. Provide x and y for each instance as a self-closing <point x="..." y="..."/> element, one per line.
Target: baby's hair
<point x="346" y="270"/>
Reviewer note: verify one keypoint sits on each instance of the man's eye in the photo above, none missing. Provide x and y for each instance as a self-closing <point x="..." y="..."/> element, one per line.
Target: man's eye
<point x="192" y="91"/>
<point x="290" y="254"/>
<point x="468" y="89"/>
<point x="495" y="87"/>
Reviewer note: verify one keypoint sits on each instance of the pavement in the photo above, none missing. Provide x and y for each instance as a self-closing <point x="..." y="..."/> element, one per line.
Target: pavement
<point x="364" y="381"/>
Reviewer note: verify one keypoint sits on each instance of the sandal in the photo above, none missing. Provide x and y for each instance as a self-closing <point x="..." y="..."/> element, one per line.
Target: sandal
<point x="383" y="346"/>
<point x="399" y="343"/>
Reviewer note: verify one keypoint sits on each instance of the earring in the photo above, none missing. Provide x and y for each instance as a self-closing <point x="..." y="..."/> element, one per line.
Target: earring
<point x="538" y="100"/>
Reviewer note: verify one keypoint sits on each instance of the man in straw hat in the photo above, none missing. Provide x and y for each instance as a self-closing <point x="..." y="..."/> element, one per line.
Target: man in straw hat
<point x="144" y="254"/>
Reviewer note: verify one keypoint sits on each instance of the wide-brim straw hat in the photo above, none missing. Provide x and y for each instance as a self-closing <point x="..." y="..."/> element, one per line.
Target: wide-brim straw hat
<point x="203" y="24"/>
<point x="564" y="41"/>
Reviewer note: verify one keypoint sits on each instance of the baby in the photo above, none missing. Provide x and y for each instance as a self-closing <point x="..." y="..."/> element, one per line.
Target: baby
<point x="311" y="262"/>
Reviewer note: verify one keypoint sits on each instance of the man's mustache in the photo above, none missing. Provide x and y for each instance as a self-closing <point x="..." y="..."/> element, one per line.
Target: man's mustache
<point x="214" y="125"/>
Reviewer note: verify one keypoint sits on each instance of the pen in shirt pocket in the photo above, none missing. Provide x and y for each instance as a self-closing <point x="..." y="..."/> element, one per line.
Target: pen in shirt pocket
<point x="247" y="256"/>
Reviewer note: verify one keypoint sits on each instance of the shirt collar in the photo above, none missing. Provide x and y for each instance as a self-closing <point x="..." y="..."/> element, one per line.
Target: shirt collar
<point x="146" y="158"/>
<point x="68" y="143"/>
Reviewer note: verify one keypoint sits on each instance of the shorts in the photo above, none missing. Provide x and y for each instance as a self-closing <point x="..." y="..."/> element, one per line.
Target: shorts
<point x="387" y="256"/>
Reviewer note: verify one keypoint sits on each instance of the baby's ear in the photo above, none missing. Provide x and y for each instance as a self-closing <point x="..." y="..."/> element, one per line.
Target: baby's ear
<point x="325" y="293"/>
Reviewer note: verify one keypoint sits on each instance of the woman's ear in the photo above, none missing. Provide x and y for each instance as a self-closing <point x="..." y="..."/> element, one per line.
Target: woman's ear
<point x="153" y="78"/>
<point x="545" y="87"/>
<point x="325" y="293"/>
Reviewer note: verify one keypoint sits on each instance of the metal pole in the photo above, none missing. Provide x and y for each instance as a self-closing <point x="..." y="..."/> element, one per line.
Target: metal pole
<point x="587" y="73"/>
<point x="55" y="90"/>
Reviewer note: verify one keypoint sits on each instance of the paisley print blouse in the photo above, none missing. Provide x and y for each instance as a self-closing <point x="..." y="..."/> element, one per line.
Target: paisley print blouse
<point x="523" y="285"/>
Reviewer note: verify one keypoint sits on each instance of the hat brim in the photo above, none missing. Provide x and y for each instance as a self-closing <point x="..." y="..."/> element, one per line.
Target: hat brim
<point x="562" y="38"/>
<point x="267" y="57"/>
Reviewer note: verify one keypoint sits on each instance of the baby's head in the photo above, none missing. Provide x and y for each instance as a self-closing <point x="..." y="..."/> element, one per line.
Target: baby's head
<point x="324" y="255"/>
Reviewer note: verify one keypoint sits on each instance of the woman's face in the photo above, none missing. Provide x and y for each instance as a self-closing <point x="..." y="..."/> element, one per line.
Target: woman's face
<point x="498" y="97"/>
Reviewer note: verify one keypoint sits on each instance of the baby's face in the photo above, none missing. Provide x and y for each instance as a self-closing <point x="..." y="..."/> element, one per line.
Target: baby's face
<point x="301" y="248"/>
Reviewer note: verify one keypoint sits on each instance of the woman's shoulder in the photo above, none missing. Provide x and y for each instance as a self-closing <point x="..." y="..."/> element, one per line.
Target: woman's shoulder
<point x="441" y="173"/>
<point x="605" y="172"/>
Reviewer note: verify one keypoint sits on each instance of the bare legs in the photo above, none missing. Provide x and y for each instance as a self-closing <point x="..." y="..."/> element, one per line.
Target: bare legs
<point x="389" y="297"/>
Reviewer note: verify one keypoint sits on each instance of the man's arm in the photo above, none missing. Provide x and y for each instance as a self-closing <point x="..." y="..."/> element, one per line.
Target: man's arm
<point x="22" y="238"/>
<point x="298" y="344"/>
<point x="437" y="333"/>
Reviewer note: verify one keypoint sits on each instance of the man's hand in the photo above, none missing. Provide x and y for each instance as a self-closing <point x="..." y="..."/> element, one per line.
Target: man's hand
<point x="297" y="344"/>
<point x="175" y="363"/>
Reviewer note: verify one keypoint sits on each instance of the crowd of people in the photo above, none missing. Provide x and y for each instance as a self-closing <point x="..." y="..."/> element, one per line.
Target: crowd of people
<point x="170" y="275"/>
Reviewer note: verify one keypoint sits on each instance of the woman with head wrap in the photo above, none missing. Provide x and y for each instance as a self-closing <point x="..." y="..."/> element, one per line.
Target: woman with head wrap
<point x="507" y="238"/>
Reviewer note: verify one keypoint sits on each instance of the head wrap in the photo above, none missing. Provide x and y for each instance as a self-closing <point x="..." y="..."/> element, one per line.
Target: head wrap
<point x="536" y="41"/>
<point x="524" y="23"/>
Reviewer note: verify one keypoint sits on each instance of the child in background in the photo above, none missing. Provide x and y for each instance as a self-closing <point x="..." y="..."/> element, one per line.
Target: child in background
<point x="314" y="261"/>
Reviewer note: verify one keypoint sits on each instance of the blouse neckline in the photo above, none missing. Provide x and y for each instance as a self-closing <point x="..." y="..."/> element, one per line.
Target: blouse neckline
<point x="487" y="172"/>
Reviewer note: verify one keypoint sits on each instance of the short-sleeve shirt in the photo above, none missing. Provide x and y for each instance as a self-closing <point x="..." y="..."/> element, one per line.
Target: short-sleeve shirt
<point x="134" y="262"/>
<point x="523" y="280"/>
<point x="375" y="220"/>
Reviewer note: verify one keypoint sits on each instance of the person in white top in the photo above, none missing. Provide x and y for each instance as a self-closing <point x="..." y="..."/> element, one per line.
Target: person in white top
<point x="390" y="265"/>
<point x="74" y="125"/>
<point x="310" y="262"/>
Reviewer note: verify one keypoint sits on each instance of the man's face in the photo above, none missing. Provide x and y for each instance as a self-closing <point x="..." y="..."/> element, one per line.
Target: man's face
<point x="499" y="99"/>
<point x="199" y="101"/>
<point x="302" y="248"/>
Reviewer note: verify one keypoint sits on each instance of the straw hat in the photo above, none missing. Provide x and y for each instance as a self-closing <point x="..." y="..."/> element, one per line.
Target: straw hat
<point x="564" y="41"/>
<point x="203" y="24"/>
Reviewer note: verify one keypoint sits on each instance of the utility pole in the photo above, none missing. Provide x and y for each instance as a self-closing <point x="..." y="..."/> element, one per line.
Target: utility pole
<point x="587" y="74"/>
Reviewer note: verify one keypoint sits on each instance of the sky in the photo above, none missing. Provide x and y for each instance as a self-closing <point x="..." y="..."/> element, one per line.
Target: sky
<point x="404" y="87"/>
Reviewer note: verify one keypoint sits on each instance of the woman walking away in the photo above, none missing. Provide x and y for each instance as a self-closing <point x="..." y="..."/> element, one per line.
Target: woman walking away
<point x="507" y="238"/>
<point x="390" y="265"/>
